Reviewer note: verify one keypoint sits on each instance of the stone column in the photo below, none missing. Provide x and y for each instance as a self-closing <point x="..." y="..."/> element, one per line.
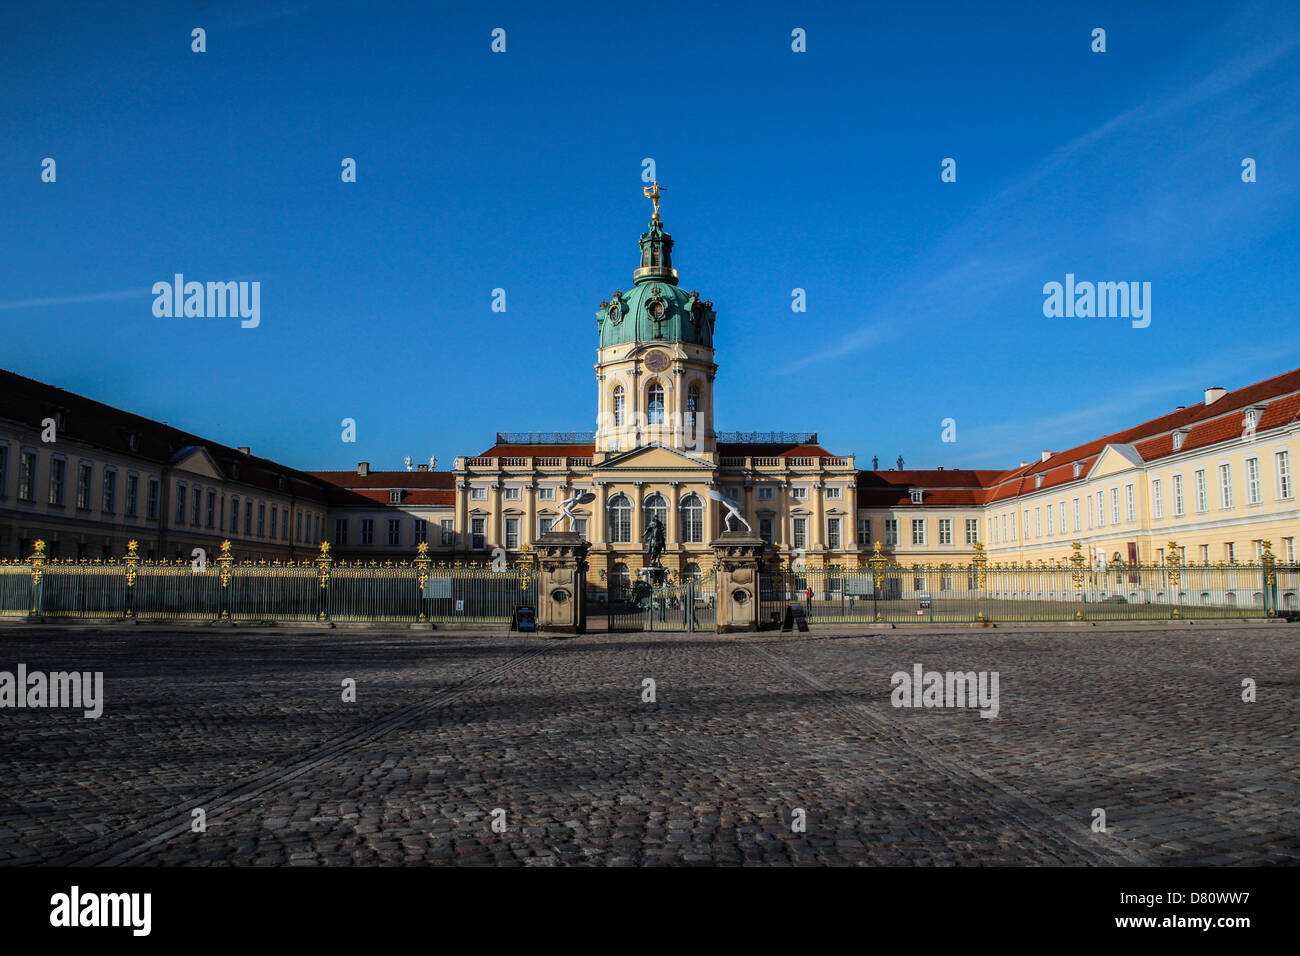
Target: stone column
<point x="638" y="518"/>
<point x="674" y="517"/>
<point x="600" y="516"/>
<point x="736" y="557"/>
<point x="562" y="583"/>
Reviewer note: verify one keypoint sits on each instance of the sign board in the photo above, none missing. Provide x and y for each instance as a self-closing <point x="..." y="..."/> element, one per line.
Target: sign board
<point x="460" y="605"/>
<point x="437" y="588"/>
<point x="794" y="617"/>
<point x="859" y="585"/>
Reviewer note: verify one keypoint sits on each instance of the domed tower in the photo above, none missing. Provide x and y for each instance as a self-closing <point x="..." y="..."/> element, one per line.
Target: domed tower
<point x="654" y="367"/>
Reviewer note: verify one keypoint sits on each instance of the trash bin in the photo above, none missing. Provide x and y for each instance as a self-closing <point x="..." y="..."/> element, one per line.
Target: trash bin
<point x="525" y="619"/>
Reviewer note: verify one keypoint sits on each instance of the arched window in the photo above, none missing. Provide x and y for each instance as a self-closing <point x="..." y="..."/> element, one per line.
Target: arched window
<point x="692" y="571"/>
<point x="692" y="519"/>
<point x="620" y="404"/>
<point x="620" y="580"/>
<point x="656" y="507"/>
<point x="692" y="407"/>
<point x="620" y="519"/>
<point x="655" y="404"/>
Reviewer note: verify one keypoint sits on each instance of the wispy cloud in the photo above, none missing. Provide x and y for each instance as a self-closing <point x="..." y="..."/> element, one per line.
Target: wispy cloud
<point x="77" y="299"/>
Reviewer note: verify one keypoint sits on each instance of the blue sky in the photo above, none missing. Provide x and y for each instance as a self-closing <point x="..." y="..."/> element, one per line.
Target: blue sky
<point x="781" y="170"/>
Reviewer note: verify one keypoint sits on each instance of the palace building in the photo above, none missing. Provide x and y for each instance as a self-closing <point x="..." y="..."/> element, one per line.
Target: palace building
<point x="1215" y="477"/>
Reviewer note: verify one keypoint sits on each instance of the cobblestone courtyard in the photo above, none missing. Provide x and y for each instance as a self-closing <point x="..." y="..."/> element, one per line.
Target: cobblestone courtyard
<point x="1146" y="723"/>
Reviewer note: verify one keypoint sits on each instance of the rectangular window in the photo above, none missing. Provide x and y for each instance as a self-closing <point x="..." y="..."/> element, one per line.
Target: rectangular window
<point x="765" y="529"/>
<point x="340" y="530"/>
<point x="58" y="472"/>
<point x="132" y="495"/>
<point x="512" y="494"/>
<point x="544" y="525"/>
<point x="1225" y="486"/>
<point x="1288" y="550"/>
<point x="1049" y="522"/>
<point x="297" y="527"/>
<point x="261" y="519"/>
<point x="1178" y="495"/>
<point x="1283" y="461"/>
<point x="419" y="531"/>
<point x="4" y="471"/>
<point x="764" y="493"/>
<point x="918" y="531"/>
<point x="1230" y="552"/>
<point x="478" y="494"/>
<point x="1114" y="506"/>
<point x="284" y="525"/>
<point x="1075" y="507"/>
<point x="835" y="492"/>
<point x="394" y="531"/>
<point x="799" y="493"/>
<point x="1202" y="492"/>
<point x="993" y="529"/>
<point x="1253" y="495"/>
<point x="545" y="494"/>
<point x="1101" y="509"/>
<point x="891" y="532"/>
<point x="234" y="514"/>
<point x="833" y="533"/>
<point x="248" y="518"/>
<point x="580" y="526"/>
<point x="447" y="531"/>
<point x="181" y="491"/>
<point x="1005" y="537"/>
<point x="945" y="531"/>
<point x="27" y="476"/>
<point x="801" y="532"/>
<point x="1025" y="527"/>
<point x="1157" y="499"/>
<point x="110" y="491"/>
<point x="85" y="476"/>
<point x="1205" y="554"/>
<point x="367" y="530"/>
<point x="477" y="533"/>
<point x="275" y="514"/>
<point x="972" y="530"/>
<point x="864" y="533"/>
<point x="155" y="492"/>
<point x="197" y="495"/>
<point x="512" y="534"/>
<point x="1130" y="504"/>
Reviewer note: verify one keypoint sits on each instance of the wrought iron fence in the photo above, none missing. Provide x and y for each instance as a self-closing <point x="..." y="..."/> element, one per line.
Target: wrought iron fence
<point x="894" y="593"/>
<point x="320" y="589"/>
<point x="690" y="605"/>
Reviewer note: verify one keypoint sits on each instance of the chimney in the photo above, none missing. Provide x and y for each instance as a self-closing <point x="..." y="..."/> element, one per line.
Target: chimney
<point x="421" y="467"/>
<point x="1044" y="456"/>
<point x="1214" y="393"/>
<point x="245" y="450"/>
<point x="1023" y="463"/>
<point x="363" y="468"/>
<point x="940" y="468"/>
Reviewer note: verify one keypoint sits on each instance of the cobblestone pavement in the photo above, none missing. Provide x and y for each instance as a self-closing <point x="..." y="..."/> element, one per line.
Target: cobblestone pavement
<point x="1146" y="723"/>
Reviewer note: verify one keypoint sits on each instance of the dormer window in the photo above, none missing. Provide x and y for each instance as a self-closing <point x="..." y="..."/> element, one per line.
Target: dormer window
<point x="1180" y="436"/>
<point x="917" y="495"/>
<point x="1078" y="469"/>
<point x="1038" y="481"/>
<point x="279" y="483"/>
<point x="394" y="497"/>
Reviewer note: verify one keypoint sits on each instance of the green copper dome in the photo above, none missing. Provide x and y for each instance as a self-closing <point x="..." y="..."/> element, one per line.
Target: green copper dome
<point x="655" y="309"/>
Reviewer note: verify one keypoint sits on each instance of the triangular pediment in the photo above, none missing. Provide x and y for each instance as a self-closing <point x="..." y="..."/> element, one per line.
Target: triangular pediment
<point x="195" y="460"/>
<point x="1115" y="459"/>
<point x="657" y="457"/>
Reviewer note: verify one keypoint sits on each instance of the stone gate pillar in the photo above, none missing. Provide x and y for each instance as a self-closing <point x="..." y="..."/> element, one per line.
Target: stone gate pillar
<point x="562" y="582"/>
<point x="736" y="556"/>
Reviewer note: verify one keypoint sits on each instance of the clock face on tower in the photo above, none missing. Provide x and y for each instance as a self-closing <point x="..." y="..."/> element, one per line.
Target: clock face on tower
<point x="656" y="360"/>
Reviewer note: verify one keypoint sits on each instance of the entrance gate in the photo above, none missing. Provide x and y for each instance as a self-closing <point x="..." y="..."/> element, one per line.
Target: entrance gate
<point x="689" y="606"/>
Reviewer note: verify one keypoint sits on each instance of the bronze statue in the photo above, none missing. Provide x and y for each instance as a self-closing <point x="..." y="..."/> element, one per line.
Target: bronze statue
<point x="654" y="537"/>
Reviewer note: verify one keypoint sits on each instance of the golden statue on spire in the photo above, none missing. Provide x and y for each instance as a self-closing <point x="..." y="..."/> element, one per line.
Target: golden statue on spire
<point x="652" y="193"/>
